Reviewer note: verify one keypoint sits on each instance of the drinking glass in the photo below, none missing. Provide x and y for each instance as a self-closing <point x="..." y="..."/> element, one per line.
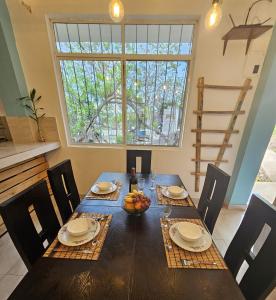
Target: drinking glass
<point x="166" y="213"/>
<point x="152" y="176"/>
<point x="141" y="184"/>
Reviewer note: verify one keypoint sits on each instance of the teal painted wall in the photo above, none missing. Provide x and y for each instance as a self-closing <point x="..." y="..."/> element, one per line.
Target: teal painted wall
<point x="12" y="81"/>
<point x="257" y="133"/>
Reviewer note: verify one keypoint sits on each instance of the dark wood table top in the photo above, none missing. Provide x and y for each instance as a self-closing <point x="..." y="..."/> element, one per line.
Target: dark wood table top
<point x="164" y="179"/>
<point x="132" y="265"/>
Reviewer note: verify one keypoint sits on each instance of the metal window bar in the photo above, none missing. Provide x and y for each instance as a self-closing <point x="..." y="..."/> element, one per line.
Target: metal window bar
<point x="95" y="79"/>
<point x="115" y="104"/>
<point x="165" y="87"/>
<point x="57" y="39"/>
<point x="145" y="100"/>
<point x="114" y="86"/>
<point x="154" y="94"/>
<point x="84" y="74"/>
<point x="78" y="91"/>
<point x="175" y="79"/>
<point x="123" y="86"/>
<point x="146" y="81"/>
<point x="74" y="70"/>
<point x="181" y="112"/>
<point x="191" y="44"/>
<point x="78" y="30"/>
<point x="154" y="98"/>
<point x="173" y="101"/>
<point x="136" y="87"/>
<point x="96" y="92"/>
<point x="163" y="100"/>
<point x="90" y="40"/>
<point x="101" y="43"/>
<point x="107" y="104"/>
<point x="63" y="70"/>
<point x="86" y="90"/>
<point x="67" y="31"/>
<point x="179" y="46"/>
<point x="106" y="107"/>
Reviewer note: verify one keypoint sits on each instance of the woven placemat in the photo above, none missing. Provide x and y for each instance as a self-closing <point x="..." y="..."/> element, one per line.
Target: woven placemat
<point x="174" y="253"/>
<point x="163" y="200"/>
<point x="58" y="250"/>
<point x="112" y="196"/>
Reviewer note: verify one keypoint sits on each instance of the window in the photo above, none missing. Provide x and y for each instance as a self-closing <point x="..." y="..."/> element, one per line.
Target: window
<point x="124" y="84"/>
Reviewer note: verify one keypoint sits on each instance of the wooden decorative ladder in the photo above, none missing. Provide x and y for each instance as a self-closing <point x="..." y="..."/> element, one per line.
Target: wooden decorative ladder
<point x="227" y="132"/>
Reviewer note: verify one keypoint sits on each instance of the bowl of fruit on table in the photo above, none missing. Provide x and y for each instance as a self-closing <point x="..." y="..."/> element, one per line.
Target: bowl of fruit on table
<point x="136" y="203"/>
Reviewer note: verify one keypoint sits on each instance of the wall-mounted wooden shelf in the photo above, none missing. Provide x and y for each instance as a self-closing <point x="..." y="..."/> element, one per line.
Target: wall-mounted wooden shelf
<point x="244" y="32"/>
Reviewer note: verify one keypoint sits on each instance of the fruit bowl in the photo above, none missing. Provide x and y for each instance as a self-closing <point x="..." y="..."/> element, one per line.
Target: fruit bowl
<point x="136" y="203"/>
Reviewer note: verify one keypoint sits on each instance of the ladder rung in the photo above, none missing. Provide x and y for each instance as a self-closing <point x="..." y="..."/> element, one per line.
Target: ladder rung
<point x="219" y="112"/>
<point x="214" y="131"/>
<point x="210" y="160"/>
<point x="198" y="173"/>
<point x="226" y="87"/>
<point x="213" y="145"/>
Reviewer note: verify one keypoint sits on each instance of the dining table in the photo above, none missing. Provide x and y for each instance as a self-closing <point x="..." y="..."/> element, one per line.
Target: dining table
<point x="132" y="263"/>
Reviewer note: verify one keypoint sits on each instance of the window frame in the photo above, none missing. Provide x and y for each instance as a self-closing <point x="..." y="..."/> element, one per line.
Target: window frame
<point x="123" y="58"/>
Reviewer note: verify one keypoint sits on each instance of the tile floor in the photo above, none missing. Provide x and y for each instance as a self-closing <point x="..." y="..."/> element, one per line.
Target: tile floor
<point x="12" y="268"/>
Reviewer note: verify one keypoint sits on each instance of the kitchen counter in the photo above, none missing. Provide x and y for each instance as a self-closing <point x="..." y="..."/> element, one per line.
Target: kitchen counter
<point x="11" y="154"/>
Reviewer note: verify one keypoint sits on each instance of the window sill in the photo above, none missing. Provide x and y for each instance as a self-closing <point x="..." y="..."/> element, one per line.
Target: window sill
<point x="125" y="147"/>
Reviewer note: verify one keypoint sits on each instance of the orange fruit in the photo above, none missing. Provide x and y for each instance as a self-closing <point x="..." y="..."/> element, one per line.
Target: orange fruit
<point x="129" y="206"/>
<point x="128" y="200"/>
<point x="138" y="205"/>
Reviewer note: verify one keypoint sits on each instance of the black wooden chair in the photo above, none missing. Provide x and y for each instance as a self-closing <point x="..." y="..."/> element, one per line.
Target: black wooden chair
<point x="260" y="277"/>
<point x="64" y="188"/>
<point x="212" y="196"/>
<point x="146" y="160"/>
<point x="16" y="216"/>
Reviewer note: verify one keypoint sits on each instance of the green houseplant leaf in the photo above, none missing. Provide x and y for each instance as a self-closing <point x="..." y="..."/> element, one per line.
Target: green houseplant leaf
<point x="30" y="103"/>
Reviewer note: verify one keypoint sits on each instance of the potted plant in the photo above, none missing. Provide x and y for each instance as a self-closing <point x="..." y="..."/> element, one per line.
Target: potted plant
<point x="31" y="102"/>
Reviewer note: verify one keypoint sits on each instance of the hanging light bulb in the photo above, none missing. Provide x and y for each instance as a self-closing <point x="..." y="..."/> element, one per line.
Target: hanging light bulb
<point x="213" y="16"/>
<point x="116" y="10"/>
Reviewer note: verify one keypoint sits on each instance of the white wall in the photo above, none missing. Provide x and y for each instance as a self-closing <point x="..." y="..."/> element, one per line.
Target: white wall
<point x="232" y="69"/>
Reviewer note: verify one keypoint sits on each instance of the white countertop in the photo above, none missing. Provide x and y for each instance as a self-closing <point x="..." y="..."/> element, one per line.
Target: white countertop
<point x="11" y="153"/>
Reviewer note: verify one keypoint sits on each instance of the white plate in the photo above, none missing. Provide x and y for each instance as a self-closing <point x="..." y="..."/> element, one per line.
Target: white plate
<point x="203" y="244"/>
<point x="165" y="192"/>
<point x="68" y="240"/>
<point x="95" y="189"/>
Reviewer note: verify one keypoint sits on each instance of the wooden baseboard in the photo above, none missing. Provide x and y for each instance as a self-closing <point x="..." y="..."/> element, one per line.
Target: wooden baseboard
<point x="236" y="207"/>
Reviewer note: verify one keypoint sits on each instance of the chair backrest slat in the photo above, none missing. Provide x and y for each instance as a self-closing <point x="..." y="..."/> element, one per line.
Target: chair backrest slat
<point x="213" y="195"/>
<point x="260" y="277"/>
<point x="64" y="188"/>
<point x="16" y="215"/>
<point x="146" y="160"/>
